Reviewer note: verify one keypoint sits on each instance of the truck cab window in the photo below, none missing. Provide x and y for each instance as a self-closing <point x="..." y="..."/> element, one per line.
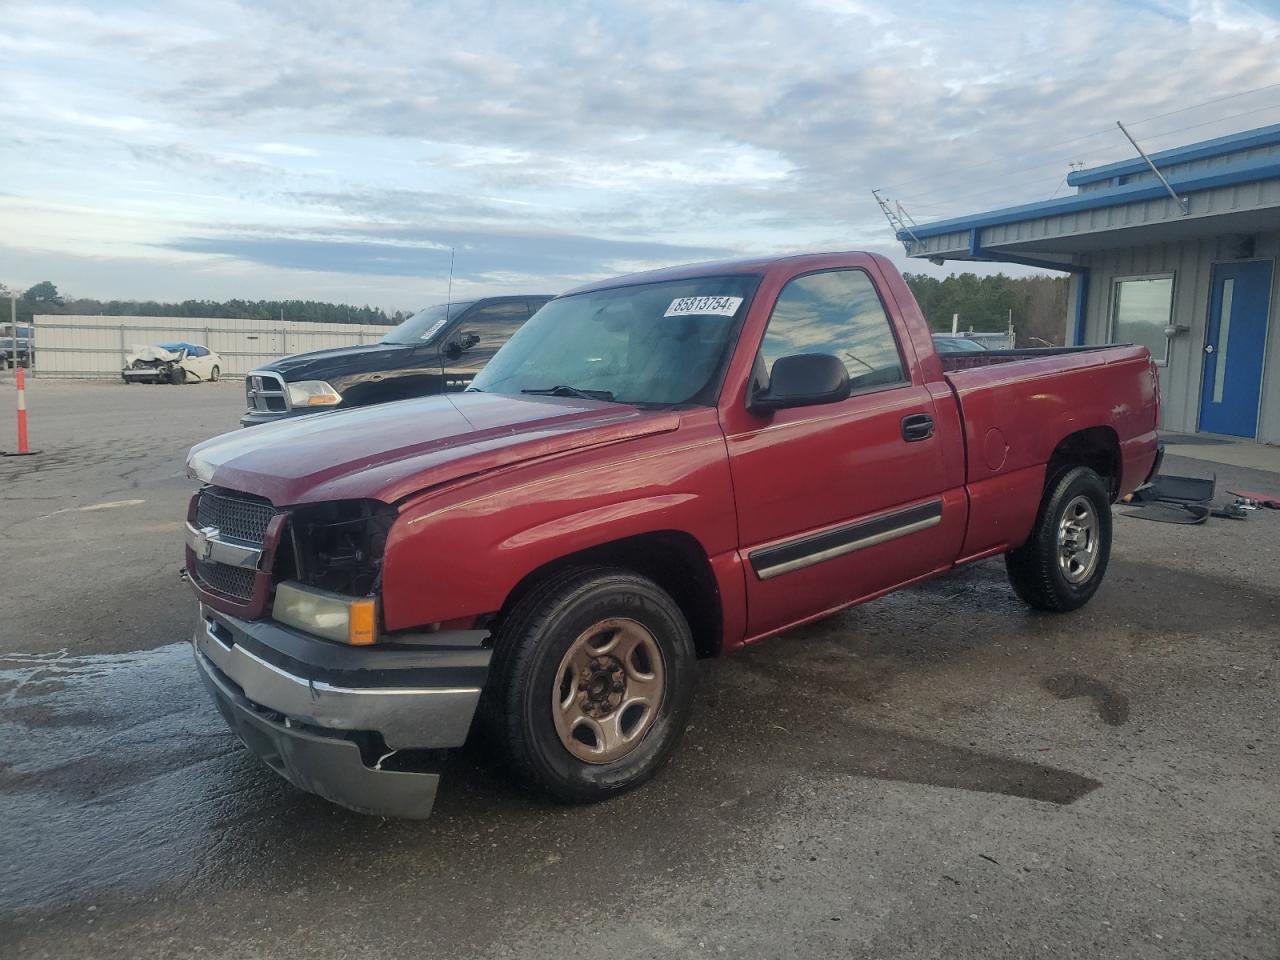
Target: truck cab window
<point x="473" y="342"/>
<point x="836" y="312"/>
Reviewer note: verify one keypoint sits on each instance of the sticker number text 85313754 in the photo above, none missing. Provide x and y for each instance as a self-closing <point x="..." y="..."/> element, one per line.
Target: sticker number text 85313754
<point x="707" y="306"/>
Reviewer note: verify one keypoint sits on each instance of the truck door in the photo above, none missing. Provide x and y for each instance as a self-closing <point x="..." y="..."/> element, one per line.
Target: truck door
<point x="841" y="501"/>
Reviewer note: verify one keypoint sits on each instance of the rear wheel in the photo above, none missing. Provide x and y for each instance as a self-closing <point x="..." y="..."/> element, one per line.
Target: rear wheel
<point x="592" y="683"/>
<point x="214" y="374"/>
<point x="1062" y="565"/>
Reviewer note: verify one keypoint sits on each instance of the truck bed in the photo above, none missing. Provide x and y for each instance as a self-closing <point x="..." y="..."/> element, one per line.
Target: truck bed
<point x="967" y="360"/>
<point x="1017" y="405"/>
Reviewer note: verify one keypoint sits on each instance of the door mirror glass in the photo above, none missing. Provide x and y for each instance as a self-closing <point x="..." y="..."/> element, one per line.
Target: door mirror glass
<point x="461" y="343"/>
<point x="803" y="380"/>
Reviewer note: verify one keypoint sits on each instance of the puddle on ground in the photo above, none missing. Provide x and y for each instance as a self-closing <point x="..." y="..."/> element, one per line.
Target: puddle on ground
<point x="119" y="779"/>
<point x="110" y="766"/>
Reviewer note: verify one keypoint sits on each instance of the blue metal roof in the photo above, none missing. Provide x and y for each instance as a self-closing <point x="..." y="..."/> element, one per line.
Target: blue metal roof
<point x="1233" y="143"/>
<point x="1250" y="171"/>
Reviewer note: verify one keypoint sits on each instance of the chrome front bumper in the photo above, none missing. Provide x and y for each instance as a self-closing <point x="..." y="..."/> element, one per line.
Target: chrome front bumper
<point x="325" y="716"/>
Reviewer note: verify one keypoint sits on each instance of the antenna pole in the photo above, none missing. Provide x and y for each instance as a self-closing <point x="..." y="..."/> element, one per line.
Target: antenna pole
<point x="1182" y="202"/>
<point x="900" y="221"/>
<point x="448" y="299"/>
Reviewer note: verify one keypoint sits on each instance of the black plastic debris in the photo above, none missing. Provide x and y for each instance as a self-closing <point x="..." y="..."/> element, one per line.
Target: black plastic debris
<point x="1189" y="513"/>
<point x="1184" y="489"/>
<point x="1187" y="500"/>
<point x="1230" y="511"/>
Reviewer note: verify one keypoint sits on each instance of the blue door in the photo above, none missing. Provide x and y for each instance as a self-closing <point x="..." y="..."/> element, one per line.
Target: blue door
<point x="1233" y="348"/>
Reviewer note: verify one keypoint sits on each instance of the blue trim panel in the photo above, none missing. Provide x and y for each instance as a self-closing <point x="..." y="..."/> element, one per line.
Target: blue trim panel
<point x="979" y="252"/>
<point x="1225" y="176"/>
<point x="1233" y="143"/>
<point x="998" y="257"/>
<point x="1082" y="305"/>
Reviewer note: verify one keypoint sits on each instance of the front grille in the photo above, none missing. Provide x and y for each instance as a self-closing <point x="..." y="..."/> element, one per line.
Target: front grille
<point x="236" y="516"/>
<point x="233" y="581"/>
<point x="264" y="392"/>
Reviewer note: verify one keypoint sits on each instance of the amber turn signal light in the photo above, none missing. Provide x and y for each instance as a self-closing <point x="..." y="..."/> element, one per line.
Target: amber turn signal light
<point x="362" y="622"/>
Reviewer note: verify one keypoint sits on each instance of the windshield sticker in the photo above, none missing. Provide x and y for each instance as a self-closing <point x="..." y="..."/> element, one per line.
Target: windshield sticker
<point x="431" y="331"/>
<point x="706" y="306"/>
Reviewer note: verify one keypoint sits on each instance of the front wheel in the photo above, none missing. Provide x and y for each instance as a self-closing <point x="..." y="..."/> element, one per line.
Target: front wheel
<point x="592" y="683"/>
<point x="1062" y="565"/>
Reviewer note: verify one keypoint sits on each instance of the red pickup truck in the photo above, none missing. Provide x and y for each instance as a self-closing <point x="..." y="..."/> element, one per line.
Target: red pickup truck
<point x="654" y="469"/>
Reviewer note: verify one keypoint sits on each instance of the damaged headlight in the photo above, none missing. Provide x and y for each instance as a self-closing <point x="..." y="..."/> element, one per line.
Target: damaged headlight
<point x="312" y="393"/>
<point x="338" y="546"/>
<point x="330" y="574"/>
<point x="329" y="615"/>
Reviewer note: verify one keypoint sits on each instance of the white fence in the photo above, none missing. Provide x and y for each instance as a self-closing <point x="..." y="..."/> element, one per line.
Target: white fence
<point x="95" y="347"/>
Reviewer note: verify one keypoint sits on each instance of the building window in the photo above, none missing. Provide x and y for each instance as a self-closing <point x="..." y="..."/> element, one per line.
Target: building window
<point x="1141" y="308"/>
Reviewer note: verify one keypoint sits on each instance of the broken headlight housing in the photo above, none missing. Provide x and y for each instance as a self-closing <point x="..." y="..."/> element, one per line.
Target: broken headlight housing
<point x="337" y="546"/>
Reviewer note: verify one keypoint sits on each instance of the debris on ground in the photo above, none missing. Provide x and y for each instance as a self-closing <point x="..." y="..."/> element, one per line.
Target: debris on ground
<point x="1269" y="500"/>
<point x="1187" y="500"/>
<point x="1188" y="513"/>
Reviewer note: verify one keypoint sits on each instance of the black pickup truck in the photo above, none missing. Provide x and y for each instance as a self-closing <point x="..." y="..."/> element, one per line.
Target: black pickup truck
<point x="437" y="350"/>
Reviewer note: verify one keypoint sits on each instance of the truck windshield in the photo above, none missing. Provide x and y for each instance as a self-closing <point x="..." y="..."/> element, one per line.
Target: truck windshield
<point x="653" y="343"/>
<point x="425" y="324"/>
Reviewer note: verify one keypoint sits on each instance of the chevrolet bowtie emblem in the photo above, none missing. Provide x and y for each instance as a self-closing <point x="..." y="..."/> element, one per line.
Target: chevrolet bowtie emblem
<point x="202" y="546"/>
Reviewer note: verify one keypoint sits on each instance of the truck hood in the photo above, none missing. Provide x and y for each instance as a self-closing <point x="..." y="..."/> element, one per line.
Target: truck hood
<point x="321" y="364"/>
<point x="390" y="451"/>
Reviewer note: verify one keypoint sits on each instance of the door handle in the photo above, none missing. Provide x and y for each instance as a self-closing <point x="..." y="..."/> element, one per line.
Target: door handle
<point x="917" y="427"/>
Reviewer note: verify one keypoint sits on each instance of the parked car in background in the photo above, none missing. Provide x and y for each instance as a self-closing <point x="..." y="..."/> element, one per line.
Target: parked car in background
<point x="171" y="363"/>
<point x="15" y="347"/>
<point x="656" y="468"/>
<point x="949" y="343"/>
<point x="437" y="350"/>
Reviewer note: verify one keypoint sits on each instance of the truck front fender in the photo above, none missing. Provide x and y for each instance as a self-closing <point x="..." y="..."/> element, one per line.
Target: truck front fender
<point x="457" y="553"/>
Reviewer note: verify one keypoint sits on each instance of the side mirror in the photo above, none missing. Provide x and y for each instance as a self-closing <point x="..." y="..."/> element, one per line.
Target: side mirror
<point x="803" y="380"/>
<point x="461" y="343"/>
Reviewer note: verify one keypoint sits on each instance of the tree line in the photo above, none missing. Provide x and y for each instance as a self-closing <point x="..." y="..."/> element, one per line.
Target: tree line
<point x="44" y="298"/>
<point x="1038" y="304"/>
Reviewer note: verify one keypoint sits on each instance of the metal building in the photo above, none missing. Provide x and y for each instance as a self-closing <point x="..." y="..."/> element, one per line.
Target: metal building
<point x="1185" y="266"/>
<point x="95" y="346"/>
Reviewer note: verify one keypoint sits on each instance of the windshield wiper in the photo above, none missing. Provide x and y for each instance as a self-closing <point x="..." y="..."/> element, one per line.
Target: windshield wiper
<point x="564" y="390"/>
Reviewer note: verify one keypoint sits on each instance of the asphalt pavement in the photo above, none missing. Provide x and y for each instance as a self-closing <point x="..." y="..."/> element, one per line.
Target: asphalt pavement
<point x="941" y="773"/>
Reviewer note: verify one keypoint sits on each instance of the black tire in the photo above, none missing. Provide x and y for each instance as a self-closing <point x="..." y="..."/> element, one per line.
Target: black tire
<point x="214" y="374"/>
<point x="530" y="646"/>
<point x="177" y="375"/>
<point x="1034" y="569"/>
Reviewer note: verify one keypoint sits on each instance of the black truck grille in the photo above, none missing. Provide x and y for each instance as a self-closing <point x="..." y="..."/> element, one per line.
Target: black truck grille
<point x="233" y="581"/>
<point x="236" y="516"/>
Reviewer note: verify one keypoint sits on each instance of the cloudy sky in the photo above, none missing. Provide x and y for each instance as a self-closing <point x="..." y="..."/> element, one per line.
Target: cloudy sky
<point x="338" y="150"/>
